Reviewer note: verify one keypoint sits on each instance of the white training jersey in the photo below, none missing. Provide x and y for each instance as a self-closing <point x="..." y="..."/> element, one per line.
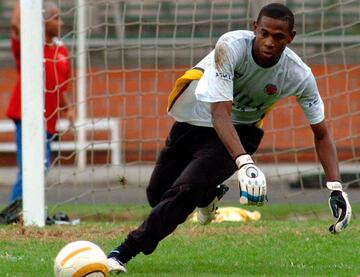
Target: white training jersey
<point x="252" y="89"/>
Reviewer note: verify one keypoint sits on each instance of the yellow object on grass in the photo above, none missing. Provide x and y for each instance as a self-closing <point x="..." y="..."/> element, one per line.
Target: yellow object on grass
<point x="232" y="214"/>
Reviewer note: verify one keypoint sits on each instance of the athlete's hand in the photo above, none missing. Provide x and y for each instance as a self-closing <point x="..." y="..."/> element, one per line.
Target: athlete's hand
<point x="252" y="182"/>
<point x="340" y="207"/>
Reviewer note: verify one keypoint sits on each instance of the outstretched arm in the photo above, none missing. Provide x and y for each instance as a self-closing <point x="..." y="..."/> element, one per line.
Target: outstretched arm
<point x="338" y="201"/>
<point x="221" y="120"/>
<point x="252" y="182"/>
<point x="326" y="151"/>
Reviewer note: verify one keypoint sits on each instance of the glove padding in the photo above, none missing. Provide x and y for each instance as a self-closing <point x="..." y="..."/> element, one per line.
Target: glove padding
<point x="339" y="206"/>
<point x="252" y="182"/>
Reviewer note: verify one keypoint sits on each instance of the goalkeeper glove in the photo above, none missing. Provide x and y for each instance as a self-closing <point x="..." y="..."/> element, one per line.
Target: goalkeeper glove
<point x="339" y="206"/>
<point x="252" y="182"/>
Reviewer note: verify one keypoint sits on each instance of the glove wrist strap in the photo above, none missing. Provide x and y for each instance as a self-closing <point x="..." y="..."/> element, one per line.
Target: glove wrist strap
<point x="335" y="185"/>
<point x="243" y="159"/>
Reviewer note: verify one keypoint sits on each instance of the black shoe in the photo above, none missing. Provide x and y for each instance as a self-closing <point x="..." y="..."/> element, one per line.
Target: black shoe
<point x="221" y="190"/>
<point x="12" y="213"/>
<point x="206" y="214"/>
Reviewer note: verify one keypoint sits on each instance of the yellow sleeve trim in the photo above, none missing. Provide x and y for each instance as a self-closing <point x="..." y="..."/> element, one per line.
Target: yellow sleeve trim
<point x="181" y="84"/>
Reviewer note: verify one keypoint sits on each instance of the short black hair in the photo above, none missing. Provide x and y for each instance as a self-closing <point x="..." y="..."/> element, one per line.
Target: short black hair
<point x="278" y="11"/>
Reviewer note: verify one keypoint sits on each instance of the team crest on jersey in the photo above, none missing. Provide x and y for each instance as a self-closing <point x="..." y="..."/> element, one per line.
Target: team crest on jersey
<point x="270" y="89"/>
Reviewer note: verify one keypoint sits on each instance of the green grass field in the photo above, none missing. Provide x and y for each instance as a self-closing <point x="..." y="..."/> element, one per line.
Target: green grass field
<point x="285" y="242"/>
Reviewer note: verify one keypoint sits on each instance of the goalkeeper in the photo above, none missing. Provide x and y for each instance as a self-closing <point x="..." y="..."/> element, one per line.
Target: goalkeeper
<point x="219" y="106"/>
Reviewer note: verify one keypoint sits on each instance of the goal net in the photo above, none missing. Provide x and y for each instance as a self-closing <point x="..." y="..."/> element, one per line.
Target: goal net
<point x="125" y="57"/>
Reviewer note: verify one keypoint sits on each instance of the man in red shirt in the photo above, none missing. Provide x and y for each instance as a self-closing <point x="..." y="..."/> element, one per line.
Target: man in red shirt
<point x="57" y="74"/>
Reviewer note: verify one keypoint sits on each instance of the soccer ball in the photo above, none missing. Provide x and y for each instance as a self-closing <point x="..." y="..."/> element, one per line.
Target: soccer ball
<point x="81" y="258"/>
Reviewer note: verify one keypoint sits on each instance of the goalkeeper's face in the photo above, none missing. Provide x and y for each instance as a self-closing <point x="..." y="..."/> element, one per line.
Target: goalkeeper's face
<point x="53" y="22"/>
<point x="271" y="37"/>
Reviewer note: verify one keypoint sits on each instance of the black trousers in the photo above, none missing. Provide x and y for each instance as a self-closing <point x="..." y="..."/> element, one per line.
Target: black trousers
<point x="190" y="166"/>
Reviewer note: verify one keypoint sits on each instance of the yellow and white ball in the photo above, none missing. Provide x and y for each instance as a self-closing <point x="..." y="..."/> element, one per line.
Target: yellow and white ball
<point x="81" y="258"/>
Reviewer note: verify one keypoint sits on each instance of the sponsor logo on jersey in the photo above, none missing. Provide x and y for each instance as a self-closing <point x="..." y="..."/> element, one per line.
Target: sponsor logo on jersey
<point x="270" y="89"/>
<point x="224" y="76"/>
<point x="313" y="101"/>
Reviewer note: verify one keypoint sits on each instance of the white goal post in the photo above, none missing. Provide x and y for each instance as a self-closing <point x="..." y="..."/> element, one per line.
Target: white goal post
<point x="32" y="106"/>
